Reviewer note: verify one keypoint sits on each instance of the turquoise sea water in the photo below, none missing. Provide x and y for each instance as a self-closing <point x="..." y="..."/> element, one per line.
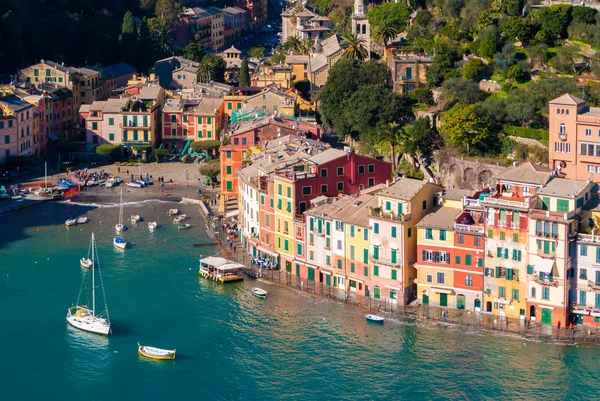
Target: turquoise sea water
<point x="231" y="345"/>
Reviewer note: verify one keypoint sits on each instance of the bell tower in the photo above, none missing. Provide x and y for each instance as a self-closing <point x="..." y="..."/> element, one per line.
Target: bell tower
<point x="360" y="24"/>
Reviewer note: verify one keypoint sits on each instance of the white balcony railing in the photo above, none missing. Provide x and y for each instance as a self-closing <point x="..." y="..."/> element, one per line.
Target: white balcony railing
<point x="471" y="228"/>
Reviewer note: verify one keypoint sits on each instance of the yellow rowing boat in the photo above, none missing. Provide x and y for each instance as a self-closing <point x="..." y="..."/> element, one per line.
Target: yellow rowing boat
<point x="156" y="353"/>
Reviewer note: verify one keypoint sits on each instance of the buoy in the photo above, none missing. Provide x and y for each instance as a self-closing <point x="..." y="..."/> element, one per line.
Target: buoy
<point x="48" y="259"/>
<point x="38" y="228"/>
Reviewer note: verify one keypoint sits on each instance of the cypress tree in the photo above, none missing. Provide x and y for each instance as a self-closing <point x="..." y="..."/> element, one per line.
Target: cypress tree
<point x="128" y="39"/>
<point x="244" y="79"/>
<point x="146" y="52"/>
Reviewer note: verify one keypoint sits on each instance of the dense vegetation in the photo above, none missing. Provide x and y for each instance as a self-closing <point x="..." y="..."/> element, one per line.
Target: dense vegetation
<point x="535" y="54"/>
<point x="79" y="32"/>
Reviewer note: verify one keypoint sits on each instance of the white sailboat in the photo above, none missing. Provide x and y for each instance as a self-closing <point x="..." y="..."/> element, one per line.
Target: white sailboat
<point x="83" y="317"/>
<point x="118" y="241"/>
<point x="86" y="263"/>
<point x="119" y="227"/>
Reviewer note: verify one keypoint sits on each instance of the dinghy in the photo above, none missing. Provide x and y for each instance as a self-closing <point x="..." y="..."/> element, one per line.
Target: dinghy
<point x="183" y="226"/>
<point x="152" y="225"/>
<point x="156" y="353"/>
<point x="85" y="263"/>
<point x="173" y="212"/>
<point x="135" y="218"/>
<point x="374" y="318"/>
<point x="82" y="220"/>
<point x="71" y="222"/>
<point x="259" y="292"/>
<point x="179" y="219"/>
<point x="120" y="243"/>
<point x="133" y="184"/>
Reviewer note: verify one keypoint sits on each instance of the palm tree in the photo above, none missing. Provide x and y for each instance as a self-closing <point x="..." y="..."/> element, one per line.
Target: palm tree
<point x="394" y="135"/>
<point x="385" y="32"/>
<point x="306" y="46"/>
<point x="354" y="47"/>
<point x="203" y="74"/>
<point x="293" y="43"/>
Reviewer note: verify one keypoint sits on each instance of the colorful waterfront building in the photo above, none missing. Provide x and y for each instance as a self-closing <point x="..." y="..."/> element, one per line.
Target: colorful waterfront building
<point x="400" y="206"/>
<point x="436" y="256"/>
<point x="8" y="135"/>
<point x="23" y="113"/>
<point x="469" y="249"/>
<point x="187" y="120"/>
<point x="585" y="270"/>
<point x="506" y="224"/>
<point x="553" y="229"/>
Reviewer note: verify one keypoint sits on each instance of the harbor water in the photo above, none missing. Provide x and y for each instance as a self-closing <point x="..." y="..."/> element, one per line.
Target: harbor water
<point x="230" y="344"/>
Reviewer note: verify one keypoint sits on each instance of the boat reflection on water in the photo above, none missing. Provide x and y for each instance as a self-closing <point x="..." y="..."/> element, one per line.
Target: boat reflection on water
<point x="82" y="339"/>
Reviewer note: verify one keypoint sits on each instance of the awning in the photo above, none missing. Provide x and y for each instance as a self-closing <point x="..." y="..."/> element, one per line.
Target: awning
<point x="392" y="288"/>
<point x="442" y="290"/>
<point x="546" y="307"/>
<point x="581" y="312"/>
<point x="355" y="279"/>
<point x="53" y="138"/>
<point x="544" y="265"/>
<point x="268" y="252"/>
<point x="326" y="272"/>
<point x="214" y="261"/>
<point x="502" y="301"/>
<point x="595" y="314"/>
<point x="230" y="266"/>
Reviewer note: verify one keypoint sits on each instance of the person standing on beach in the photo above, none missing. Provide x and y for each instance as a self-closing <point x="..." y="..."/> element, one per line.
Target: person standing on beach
<point x="559" y="325"/>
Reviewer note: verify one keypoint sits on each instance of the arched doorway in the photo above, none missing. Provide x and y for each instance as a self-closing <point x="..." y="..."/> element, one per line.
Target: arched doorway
<point x="488" y="306"/>
<point x="532" y="312"/>
<point x="425" y="298"/>
<point x="460" y="301"/>
<point x="477" y="304"/>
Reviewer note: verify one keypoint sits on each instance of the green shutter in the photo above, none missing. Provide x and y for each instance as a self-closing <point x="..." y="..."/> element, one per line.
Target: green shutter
<point x="562" y="206"/>
<point x="366" y="271"/>
<point x="394" y="274"/>
<point x="328" y="228"/>
<point x="376" y="270"/>
<point x="365" y="255"/>
<point x="497" y="271"/>
<point x="468" y="260"/>
<point x="376" y="252"/>
<point x="457" y="260"/>
<point x="311" y="274"/>
<point x="393" y="256"/>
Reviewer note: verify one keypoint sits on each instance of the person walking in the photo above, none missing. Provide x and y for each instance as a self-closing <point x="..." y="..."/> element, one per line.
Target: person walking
<point x="558" y="325"/>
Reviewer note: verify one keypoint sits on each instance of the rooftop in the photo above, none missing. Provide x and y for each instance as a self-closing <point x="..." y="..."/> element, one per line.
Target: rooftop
<point x="150" y="92"/>
<point x="456" y="194"/>
<point x="528" y="173"/>
<point x="328" y="207"/>
<point x="358" y="212"/>
<point x="441" y="218"/>
<point x="15" y="103"/>
<point x="568" y="100"/>
<point x="97" y="105"/>
<point x="563" y="188"/>
<point x="233" y="10"/>
<point x="327" y="156"/>
<point x="114" y="105"/>
<point x="297" y="59"/>
<point x="404" y="188"/>
<point x="116" y="70"/>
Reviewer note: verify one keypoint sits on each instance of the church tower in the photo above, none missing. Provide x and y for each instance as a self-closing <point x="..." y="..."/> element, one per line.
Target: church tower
<point x="360" y="23"/>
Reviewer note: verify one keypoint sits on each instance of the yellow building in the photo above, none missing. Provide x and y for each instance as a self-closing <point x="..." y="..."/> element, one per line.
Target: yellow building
<point x="278" y="75"/>
<point x="284" y="219"/>
<point x="299" y="64"/>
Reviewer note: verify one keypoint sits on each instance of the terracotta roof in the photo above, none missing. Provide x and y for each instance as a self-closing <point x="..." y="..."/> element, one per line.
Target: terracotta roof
<point x="327" y="156"/>
<point x="440" y="218"/>
<point x="114" y="105"/>
<point x="528" y="173"/>
<point x="232" y="49"/>
<point x="456" y="194"/>
<point x="328" y="207"/>
<point x="150" y="92"/>
<point x="97" y="105"/>
<point x="296" y="59"/>
<point x="358" y="212"/>
<point x="567" y="99"/>
<point x="404" y="188"/>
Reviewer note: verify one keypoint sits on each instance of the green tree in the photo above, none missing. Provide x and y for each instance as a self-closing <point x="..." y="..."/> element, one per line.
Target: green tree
<point x="160" y="154"/>
<point x="212" y="68"/>
<point x="516" y="73"/>
<point x="467" y="127"/>
<point x="443" y="63"/>
<point x="244" y="79"/>
<point x="514" y="7"/>
<point x="394" y="136"/>
<point x="128" y="39"/>
<point x="421" y="137"/>
<point x="483" y="20"/>
<point x="563" y="61"/>
<point x="146" y="48"/>
<point x="422" y="95"/>
<point x="488" y="43"/>
<point x="519" y="113"/>
<point x="385" y="32"/>
<point x="554" y="21"/>
<point x="257" y="52"/>
<point x="106" y="149"/>
<point x="354" y="47"/>
<point x="211" y="169"/>
<point x="586" y="15"/>
<point x="462" y="91"/>
<point x="539" y="53"/>
<point x="193" y="52"/>
<point x="517" y="28"/>
<point x="396" y="15"/>
<point x="292" y="44"/>
<point x="474" y="70"/>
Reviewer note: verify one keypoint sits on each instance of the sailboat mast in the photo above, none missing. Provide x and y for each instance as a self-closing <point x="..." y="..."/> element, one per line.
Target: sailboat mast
<point x="93" y="283"/>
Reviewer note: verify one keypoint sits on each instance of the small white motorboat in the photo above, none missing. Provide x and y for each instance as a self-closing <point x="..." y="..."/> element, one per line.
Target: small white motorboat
<point x="109" y="183"/>
<point x="133" y="184"/>
<point x="119" y="228"/>
<point x="173" y="212"/>
<point x="374" y="318"/>
<point x="179" y="219"/>
<point x="82" y="220"/>
<point x="152" y="225"/>
<point x="135" y="218"/>
<point x="90" y="183"/>
<point x="85" y="263"/>
<point x="259" y="292"/>
<point x="71" y="222"/>
<point x="120" y="243"/>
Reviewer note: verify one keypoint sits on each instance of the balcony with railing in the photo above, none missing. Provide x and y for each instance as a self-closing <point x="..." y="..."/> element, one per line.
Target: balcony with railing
<point x="549" y="255"/>
<point x="546" y="234"/>
<point x="295" y="175"/>
<point x="594" y="285"/>
<point x="379" y="212"/>
<point x="506" y="199"/>
<point x="588" y="238"/>
<point x="470" y="202"/>
<point x="546" y="214"/>
<point x="470" y="228"/>
<point x="546" y="281"/>
<point x="383" y="260"/>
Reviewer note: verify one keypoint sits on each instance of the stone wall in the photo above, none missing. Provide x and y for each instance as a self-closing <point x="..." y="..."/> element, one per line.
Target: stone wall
<point x="456" y="172"/>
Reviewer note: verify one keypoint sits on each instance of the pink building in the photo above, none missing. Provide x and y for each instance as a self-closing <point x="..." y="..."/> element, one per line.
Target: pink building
<point x="574" y="137"/>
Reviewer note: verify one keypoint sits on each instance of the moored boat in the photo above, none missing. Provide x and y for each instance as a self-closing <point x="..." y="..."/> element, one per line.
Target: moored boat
<point x="85" y="263"/>
<point x="133" y="184"/>
<point x="184" y="226"/>
<point x="135" y="218"/>
<point x="259" y="292"/>
<point x="152" y="225"/>
<point x="179" y="219"/>
<point x="82" y="220"/>
<point x="109" y="183"/>
<point x="156" y="353"/>
<point x="173" y="212"/>
<point x="119" y="228"/>
<point x="120" y="243"/>
<point x="220" y="269"/>
<point x="374" y="318"/>
<point x="71" y="222"/>
<point x="83" y="317"/>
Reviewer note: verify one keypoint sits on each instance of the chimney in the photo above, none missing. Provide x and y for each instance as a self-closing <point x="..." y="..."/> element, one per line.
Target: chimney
<point x="387" y="183"/>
